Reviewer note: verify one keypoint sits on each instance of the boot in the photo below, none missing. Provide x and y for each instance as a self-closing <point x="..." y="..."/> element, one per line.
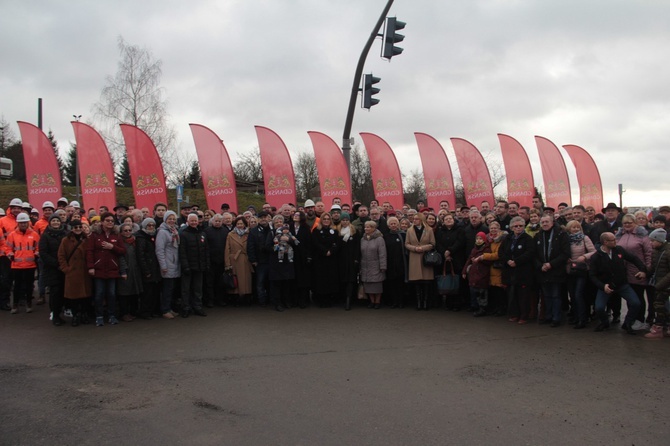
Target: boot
<point x="425" y="302"/>
<point x="347" y="303"/>
<point x="75" y="319"/>
<point x="656" y="332"/>
<point x="481" y="312"/>
<point x="419" y="299"/>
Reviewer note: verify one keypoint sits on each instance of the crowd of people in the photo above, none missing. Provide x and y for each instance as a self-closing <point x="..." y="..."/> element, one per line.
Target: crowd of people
<point x="570" y="265"/>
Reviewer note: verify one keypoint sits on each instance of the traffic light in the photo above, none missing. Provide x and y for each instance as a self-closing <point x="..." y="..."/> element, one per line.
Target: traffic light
<point x="391" y="38"/>
<point x="368" y="90"/>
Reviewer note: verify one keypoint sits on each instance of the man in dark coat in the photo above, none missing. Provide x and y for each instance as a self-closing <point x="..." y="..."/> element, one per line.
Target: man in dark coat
<point x="259" y="255"/>
<point x="52" y="276"/>
<point x="552" y="252"/>
<point x="608" y="274"/>
<point x="194" y="261"/>
<point x="612" y="222"/>
<point x="517" y="252"/>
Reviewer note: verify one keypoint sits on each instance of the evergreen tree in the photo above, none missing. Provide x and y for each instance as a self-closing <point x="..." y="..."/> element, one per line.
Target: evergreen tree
<point x="54" y="145"/>
<point x="123" y="175"/>
<point x="194" y="179"/>
<point x="70" y="166"/>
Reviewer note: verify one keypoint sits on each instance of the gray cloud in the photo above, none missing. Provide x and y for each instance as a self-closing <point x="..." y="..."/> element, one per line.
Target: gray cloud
<point x="590" y="73"/>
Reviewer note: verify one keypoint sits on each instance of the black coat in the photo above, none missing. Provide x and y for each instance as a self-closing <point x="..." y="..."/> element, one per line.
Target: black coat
<point x="396" y="256"/>
<point x="522" y="251"/>
<point x="452" y="240"/>
<point x="326" y="275"/>
<point x="302" y="256"/>
<point x="558" y="256"/>
<point x="283" y="270"/>
<point x="145" y="248"/>
<point x="216" y="241"/>
<point x="349" y="258"/>
<point x="193" y="250"/>
<point x="257" y="245"/>
<point x="601" y="227"/>
<point x="49" y="243"/>
<point x="470" y="234"/>
<point x="603" y="270"/>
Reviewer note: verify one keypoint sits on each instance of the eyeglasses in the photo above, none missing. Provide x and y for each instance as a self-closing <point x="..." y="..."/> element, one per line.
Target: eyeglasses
<point x="127" y="230"/>
<point x="516" y="226"/>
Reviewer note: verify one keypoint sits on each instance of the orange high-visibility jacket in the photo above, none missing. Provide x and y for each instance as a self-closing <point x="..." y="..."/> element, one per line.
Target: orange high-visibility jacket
<point x="24" y="247"/>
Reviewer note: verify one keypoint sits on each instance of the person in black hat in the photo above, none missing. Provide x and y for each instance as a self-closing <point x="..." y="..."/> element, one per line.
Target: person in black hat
<point x="119" y="210"/>
<point x="225" y="207"/>
<point x="612" y="222"/>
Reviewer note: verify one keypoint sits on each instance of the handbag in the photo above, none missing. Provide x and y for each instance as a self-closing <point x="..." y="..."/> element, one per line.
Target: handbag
<point x="448" y="283"/>
<point x="230" y="280"/>
<point x="579" y="269"/>
<point x="361" y="293"/>
<point x="432" y="258"/>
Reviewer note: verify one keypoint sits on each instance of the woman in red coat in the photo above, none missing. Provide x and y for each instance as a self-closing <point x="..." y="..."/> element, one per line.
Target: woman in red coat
<point x="103" y="251"/>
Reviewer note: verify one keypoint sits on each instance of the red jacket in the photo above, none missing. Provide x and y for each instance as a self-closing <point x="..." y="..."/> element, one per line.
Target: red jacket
<point x="105" y="262"/>
<point x="23" y="246"/>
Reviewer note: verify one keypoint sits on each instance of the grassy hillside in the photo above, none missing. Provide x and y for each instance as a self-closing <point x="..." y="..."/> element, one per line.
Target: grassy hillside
<point x="14" y="189"/>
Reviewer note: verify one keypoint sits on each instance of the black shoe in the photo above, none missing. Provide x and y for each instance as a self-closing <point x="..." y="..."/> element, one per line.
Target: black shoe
<point x="279" y="308"/>
<point x="545" y="321"/>
<point x="75" y="320"/>
<point x="628" y="329"/>
<point x="209" y="305"/>
<point x="554" y="324"/>
<point x="184" y="313"/>
<point x="616" y="319"/>
<point x="602" y="327"/>
<point x="479" y="313"/>
<point x="84" y="319"/>
<point x="579" y="325"/>
<point x="377" y="306"/>
<point x="57" y="321"/>
<point x="5" y="307"/>
<point x="199" y="312"/>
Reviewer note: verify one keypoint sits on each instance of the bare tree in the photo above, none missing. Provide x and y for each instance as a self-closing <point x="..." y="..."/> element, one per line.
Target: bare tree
<point x="306" y="177"/>
<point x="361" y="176"/>
<point x="7" y="136"/>
<point x="415" y="187"/>
<point x="134" y="96"/>
<point x="248" y="168"/>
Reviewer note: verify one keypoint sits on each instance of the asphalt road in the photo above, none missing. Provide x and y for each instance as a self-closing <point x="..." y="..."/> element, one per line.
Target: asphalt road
<point x="251" y="376"/>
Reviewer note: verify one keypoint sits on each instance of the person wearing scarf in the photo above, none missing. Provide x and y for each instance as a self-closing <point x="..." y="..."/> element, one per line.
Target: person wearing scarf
<point x="129" y="286"/>
<point x="348" y="256"/>
<point x="167" y="253"/>
<point x="581" y="250"/>
<point x="145" y="246"/>
<point x="237" y="259"/>
<point x="78" y="283"/>
<point x="552" y="251"/>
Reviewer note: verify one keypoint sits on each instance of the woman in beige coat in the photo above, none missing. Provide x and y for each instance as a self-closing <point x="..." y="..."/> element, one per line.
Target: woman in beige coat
<point x="420" y="239"/>
<point x="236" y="256"/>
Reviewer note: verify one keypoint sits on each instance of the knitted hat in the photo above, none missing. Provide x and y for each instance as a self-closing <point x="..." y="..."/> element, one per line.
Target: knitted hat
<point x="148" y="220"/>
<point x="168" y="213"/>
<point x="659" y="235"/>
<point x="344" y="216"/>
<point x="482" y="235"/>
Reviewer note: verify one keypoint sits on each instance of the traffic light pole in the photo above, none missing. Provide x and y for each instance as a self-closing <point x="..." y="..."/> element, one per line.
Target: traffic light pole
<point x="346" y="136"/>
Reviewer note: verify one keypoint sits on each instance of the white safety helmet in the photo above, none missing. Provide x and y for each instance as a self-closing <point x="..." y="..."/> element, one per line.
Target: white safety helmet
<point x="22" y="218"/>
<point x="16" y="202"/>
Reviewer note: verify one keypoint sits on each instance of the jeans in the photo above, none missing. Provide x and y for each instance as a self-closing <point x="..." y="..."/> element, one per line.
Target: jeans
<point x="191" y="290"/>
<point x="104" y="289"/>
<point x="262" y="273"/>
<point x="167" y="294"/>
<point x="576" y="285"/>
<point x="627" y="294"/>
<point x="552" y="299"/>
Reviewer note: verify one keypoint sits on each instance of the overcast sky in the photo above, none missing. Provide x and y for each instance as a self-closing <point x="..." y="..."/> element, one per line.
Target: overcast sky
<point x="591" y="72"/>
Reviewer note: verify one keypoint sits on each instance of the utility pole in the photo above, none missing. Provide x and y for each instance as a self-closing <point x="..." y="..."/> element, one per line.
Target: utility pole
<point x="346" y="136"/>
